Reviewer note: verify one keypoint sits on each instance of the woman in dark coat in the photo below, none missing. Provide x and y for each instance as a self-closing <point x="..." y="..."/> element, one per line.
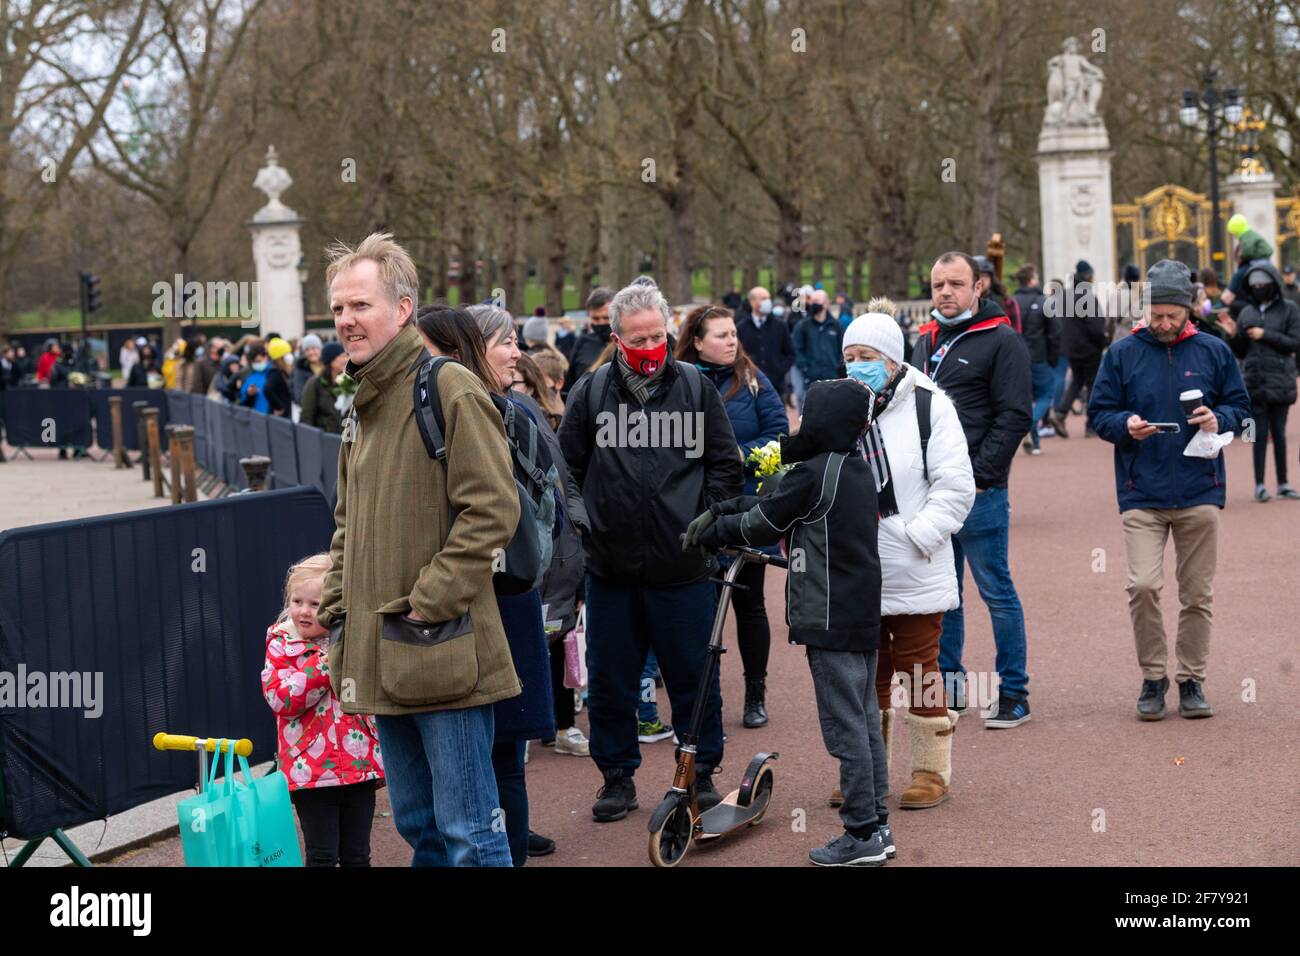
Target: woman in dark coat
<point x="483" y="339"/>
<point x="757" y="413"/>
<point x="1268" y="334"/>
<point x="318" y="398"/>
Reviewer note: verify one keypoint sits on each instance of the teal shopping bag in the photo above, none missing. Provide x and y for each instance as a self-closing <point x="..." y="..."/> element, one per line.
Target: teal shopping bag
<point x="239" y="824"/>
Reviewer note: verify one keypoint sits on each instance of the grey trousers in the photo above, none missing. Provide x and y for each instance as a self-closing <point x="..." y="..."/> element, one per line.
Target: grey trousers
<point x="845" y="685"/>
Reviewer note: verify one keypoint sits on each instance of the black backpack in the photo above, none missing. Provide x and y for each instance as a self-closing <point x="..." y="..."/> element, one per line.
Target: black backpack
<point x="526" y="558"/>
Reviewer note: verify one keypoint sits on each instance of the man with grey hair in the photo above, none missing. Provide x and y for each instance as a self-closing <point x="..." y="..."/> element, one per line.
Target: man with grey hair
<point x="649" y="442"/>
<point x="416" y="636"/>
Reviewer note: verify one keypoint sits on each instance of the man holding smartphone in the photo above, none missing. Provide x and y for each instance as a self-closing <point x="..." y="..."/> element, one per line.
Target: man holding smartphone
<point x="1145" y="402"/>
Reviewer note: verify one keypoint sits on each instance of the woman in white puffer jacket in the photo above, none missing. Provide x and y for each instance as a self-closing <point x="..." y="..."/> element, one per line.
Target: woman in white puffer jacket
<point x="923" y="500"/>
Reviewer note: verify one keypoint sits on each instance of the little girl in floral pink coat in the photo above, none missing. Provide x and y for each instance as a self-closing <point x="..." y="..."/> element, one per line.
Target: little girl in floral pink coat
<point x="331" y="759"/>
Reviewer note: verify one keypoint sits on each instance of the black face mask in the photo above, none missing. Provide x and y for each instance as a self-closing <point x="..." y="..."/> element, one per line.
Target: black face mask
<point x="600" y="331"/>
<point x="1263" y="293"/>
<point x="815" y="309"/>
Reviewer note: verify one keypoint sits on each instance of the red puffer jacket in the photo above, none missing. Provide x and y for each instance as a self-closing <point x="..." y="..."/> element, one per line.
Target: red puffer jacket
<point x="317" y="744"/>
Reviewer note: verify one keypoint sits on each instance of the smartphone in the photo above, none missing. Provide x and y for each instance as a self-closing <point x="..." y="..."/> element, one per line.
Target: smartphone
<point x="1166" y="426"/>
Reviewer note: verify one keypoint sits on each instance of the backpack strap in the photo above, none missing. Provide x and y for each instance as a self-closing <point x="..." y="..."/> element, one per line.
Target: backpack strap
<point x="428" y="408"/>
<point x="597" y="389"/>
<point x="923" y="398"/>
<point x="693" y="379"/>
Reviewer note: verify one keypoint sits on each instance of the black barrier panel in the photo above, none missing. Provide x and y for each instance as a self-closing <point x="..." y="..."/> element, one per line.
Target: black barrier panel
<point x="50" y="417"/>
<point x="215" y="412"/>
<point x="258" y="434"/>
<point x="230" y="470"/>
<point x="103" y="418"/>
<point x="178" y="408"/>
<point x="169" y="607"/>
<point x="199" y="419"/>
<point x="310" y="468"/>
<point x="330" y="446"/>
<point x="284" y="454"/>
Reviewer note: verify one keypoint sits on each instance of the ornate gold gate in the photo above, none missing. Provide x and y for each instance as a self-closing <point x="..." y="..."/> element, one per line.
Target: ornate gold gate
<point x="1170" y="222"/>
<point x="1288" y="228"/>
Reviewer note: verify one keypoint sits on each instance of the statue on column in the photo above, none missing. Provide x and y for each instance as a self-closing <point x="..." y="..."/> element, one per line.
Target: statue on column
<point x="1073" y="88"/>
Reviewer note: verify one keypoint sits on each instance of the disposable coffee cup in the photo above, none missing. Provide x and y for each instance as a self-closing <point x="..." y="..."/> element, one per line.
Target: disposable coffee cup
<point x="1192" y="399"/>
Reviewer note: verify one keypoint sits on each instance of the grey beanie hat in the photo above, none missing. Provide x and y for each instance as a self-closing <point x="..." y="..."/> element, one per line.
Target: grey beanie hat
<point x="311" y="341"/>
<point x="1170" y="283"/>
<point x="535" y="329"/>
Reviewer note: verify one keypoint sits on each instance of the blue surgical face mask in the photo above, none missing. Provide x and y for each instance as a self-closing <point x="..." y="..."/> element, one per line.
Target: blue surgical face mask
<point x="765" y="307"/>
<point x="261" y="366"/>
<point x="778" y="310"/>
<point x="872" y="374"/>
<point x="955" y="320"/>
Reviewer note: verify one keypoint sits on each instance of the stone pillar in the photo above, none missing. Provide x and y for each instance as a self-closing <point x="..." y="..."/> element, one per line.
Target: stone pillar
<point x="276" y="251"/>
<point x="1251" y="194"/>
<point x="1074" y="200"/>
<point x="1074" y="170"/>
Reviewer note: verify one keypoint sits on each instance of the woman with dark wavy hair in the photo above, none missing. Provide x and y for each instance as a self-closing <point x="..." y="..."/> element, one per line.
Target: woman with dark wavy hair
<point x="708" y="339"/>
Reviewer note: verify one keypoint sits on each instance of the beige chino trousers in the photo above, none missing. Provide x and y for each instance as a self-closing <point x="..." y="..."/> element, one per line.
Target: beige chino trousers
<point x="1196" y="543"/>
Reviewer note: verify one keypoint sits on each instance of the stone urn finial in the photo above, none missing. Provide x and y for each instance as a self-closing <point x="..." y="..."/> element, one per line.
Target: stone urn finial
<point x="273" y="179"/>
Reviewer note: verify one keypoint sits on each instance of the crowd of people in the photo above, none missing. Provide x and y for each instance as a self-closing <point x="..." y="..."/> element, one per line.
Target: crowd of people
<point x="895" y="459"/>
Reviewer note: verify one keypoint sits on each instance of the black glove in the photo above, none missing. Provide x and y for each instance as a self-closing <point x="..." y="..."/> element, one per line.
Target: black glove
<point x="691" y="540"/>
<point x="710" y="539"/>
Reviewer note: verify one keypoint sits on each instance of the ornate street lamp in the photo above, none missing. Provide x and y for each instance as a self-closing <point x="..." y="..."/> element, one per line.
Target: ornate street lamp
<point x="1209" y="100"/>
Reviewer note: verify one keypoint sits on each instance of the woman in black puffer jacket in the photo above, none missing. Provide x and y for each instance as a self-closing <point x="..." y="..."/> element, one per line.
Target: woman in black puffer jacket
<point x="1268" y="334"/>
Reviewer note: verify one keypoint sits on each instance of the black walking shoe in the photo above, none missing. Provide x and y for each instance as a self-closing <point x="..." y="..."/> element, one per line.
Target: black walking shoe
<point x="755" y="702"/>
<point x="706" y="794"/>
<point x="1191" y="702"/>
<point x="539" y="845"/>
<point x="1151" y="703"/>
<point x="615" y="799"/>
<point x="1057" y="421"/>
<point x="1007" y="712"/>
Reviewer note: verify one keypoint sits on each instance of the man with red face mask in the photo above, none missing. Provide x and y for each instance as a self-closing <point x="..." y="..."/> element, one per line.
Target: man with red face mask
<point x="649" y="442"/>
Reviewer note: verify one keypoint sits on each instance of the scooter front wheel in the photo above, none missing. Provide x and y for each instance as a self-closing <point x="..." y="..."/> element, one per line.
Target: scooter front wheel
<point x="670" y="831"/>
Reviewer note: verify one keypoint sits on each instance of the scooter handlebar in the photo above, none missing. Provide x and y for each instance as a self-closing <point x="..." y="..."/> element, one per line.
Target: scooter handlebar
<point x="166" y="741"/>
<point x="752" y="554"/>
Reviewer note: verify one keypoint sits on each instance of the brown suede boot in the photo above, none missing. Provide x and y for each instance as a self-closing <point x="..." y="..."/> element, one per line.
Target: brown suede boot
<point x="931" y="761"/>
<point x="886" y="731"/>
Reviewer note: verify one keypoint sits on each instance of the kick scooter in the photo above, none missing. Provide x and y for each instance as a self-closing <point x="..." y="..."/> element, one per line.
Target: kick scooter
<point x="677" y="821"/>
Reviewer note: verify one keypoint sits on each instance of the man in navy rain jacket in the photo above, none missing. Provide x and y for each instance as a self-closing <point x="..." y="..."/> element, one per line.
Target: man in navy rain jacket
<point x="1161" y="490"/>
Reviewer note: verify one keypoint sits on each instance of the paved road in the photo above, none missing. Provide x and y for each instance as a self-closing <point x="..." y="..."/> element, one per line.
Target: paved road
<point x="1212" y="792"/>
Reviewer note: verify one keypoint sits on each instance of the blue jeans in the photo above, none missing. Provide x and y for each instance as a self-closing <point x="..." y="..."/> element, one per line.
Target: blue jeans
<point x="647" y="710"/>
<point x="1058" y="388"/>
<point x="982" y="541"/>
<point x="624" y="623"/>
<point x="1044" y="383"/>
<point x="440" y="782"/>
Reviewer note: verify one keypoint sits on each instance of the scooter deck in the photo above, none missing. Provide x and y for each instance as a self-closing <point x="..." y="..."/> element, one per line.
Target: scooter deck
<point x="726" y="816"/>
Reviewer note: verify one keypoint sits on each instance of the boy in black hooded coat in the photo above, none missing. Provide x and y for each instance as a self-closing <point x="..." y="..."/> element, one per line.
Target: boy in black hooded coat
<point x="825" y="508"/>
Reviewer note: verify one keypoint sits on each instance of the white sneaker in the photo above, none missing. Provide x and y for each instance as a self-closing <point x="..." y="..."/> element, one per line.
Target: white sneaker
<point x="572" y="741"/>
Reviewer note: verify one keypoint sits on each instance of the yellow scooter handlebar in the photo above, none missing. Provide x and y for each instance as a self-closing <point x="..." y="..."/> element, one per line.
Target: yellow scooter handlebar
<point x="165" y="741"/>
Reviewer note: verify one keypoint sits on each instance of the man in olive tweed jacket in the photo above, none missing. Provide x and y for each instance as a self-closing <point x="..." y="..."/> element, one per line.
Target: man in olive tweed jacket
<point x="409" y="597"/>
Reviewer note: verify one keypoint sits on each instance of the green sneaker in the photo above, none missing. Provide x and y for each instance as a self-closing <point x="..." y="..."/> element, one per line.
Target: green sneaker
<point x="651" y="731"/>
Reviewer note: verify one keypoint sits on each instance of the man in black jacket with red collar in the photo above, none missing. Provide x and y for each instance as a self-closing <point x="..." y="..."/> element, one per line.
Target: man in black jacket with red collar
<point x="973" y="354"/>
